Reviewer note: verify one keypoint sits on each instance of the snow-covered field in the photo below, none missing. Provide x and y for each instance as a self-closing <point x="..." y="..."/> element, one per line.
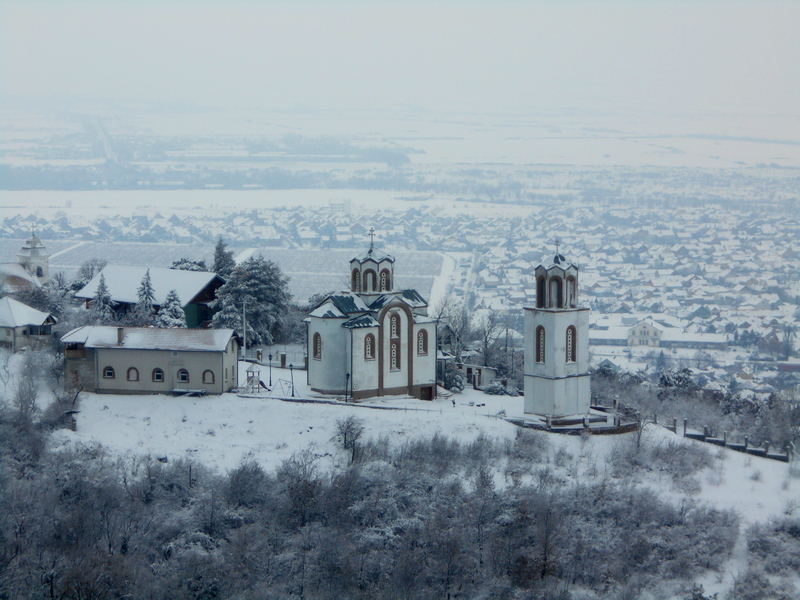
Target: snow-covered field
<point x="221" y="431"/>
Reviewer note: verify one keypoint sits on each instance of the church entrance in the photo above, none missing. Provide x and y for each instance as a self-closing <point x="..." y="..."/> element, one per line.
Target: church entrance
<point x="426" y="392"/>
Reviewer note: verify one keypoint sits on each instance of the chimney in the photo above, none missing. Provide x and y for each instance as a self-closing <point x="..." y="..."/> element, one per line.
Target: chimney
<point x="120" y="334"/>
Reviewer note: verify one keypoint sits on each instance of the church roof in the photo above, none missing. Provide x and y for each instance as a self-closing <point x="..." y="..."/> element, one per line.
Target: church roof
<point x="372" y="254"/>
<point x="33" y="247"/>
<point x="348" y="303"/>
<point x="15" y="276"/>
<point x="327" y="310"/>
<point x="361" y="321"/>
<point x="558" y="260"/>
<point x="410" y="297"/>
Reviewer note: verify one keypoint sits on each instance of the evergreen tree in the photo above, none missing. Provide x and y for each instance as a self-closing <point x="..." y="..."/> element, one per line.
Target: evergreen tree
<point x="223" y="259"/>
<point x="263" y="287"/>
<point x="144" y="312"/>
<point x="171" y="313"/>
<point x="102" y="306"/>
<point x="186" y="264"/>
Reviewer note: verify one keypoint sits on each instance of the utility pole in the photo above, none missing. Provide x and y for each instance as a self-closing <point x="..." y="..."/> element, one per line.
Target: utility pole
<point x="244" y="326"/>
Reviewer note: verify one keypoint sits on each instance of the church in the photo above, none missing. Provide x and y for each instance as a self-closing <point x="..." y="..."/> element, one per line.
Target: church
<point x="557" y="343"/>
<point x="31" y="271"/>
<point x="372" y="340"/>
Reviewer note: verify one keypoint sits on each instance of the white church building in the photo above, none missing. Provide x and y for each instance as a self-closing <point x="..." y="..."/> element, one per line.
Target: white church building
<point x="557" y="343"/>
<point x="372" y="340"/>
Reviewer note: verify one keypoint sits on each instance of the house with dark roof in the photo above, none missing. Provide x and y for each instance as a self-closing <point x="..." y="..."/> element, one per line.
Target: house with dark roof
<point x="196" y="289"/>
<point x="372" y="340"/>
<point x="150" y="360"/>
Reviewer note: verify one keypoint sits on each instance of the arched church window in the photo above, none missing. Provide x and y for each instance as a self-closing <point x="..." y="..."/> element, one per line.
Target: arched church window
<point x="556" y="293"/>
<point x="540" y="344"/>
<point x="133" y="374"/>
<point x="39" y="272"/>
<point x="208" y="376"/>
<point x="422" y="342"/>
<point x="356" y="281"/>
<point x="317" y="346"/>
<point x="386" y="283"/>
<point x="369" y="347"/>
<point x="394" y="325"/>
<point x="369" y="280"/>
<point x="571" y="343"/>
<point x="394" y="355"/>
<point x="572" y="293"/>
<point x="541" y="292"/>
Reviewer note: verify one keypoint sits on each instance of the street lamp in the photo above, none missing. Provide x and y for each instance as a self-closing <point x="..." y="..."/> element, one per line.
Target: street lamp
<point x="346" y="382"/>
<point x="270" y="370"/>
<point x="291" y="372"/>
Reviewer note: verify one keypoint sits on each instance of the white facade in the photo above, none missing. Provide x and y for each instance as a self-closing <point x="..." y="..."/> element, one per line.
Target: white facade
<point x="557" y="344"/>
<point x="371" y="340"/>
<point x="131" y="360"/>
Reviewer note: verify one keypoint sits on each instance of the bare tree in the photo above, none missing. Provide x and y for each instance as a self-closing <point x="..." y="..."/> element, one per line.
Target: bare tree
<point x="455" y="324"/>
<point x="488" y="330"/>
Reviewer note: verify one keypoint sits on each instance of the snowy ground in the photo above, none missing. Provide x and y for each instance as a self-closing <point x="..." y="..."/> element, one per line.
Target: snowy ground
<point x="221" y="431"/>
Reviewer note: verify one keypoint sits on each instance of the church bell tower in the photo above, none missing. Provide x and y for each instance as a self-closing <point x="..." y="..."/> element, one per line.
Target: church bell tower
<point x="557" y="343"/>
<point x="35" y="258"/>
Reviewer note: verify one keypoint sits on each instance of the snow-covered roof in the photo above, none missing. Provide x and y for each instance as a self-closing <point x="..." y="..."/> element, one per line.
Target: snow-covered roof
<point x="410" y="297"/>
<point x="361" y="321"/>
<point x="151" y="338"/>
<point x="16" y="276"/>
<point x="123" y="283"/>
<point x="16" y="314"/>
<point x="372" y="254"/>
<point x="327" y="310"/>
<point x="348" y="303"/>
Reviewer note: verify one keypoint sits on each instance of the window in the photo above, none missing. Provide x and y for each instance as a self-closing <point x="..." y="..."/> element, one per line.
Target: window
<point x="556" y="298"/>
<point x="369" y="347"/>
<point x="394" y="325"/>
<point x="355" y="284"/>
<point x="39" y="272"/>
<point x="317" y="346"/>
<point x="571" y="343"/>
<point x="369" y="280"/>
<point x="541" y="289"/>
<point x="422" y="342"/>
<point x="572" y="293"/>
<point x="158" y="375"/>
<point x="108" y="373"/>
<point x="133" y="374"/>
<point x="540" y="344"/>
<point x="208" y="376"/>
<point x="394" y="355"/>
<point x="226" y="373"/>
<point x="386" y="282"/>
<point x="183" y="376"/>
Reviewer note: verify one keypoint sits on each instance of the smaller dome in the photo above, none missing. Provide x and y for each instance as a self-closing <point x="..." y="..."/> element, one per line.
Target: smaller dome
<point x="558" y="260"/>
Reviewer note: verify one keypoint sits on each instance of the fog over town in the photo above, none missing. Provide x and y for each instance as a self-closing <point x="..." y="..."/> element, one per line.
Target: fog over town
<point x="400" y="300"/>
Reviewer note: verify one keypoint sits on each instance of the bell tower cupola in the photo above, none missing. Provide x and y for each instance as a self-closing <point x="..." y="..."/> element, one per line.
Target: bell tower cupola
<point x="35" y="258"/>
<point x="373" y="271"/>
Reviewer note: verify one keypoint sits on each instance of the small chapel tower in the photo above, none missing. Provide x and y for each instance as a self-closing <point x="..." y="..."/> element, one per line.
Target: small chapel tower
<point x="372" y="272"/>
<point x="35" y="258"/>
<point x="557" y="343"/>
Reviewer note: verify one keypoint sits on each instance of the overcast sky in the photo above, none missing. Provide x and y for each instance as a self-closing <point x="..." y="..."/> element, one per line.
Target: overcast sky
<point x="478" y="56"/>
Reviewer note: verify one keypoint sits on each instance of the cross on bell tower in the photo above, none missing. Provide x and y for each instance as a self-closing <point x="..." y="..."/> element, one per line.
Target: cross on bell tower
<point x="557" y="243"/>
<point x="371" y="238"/>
